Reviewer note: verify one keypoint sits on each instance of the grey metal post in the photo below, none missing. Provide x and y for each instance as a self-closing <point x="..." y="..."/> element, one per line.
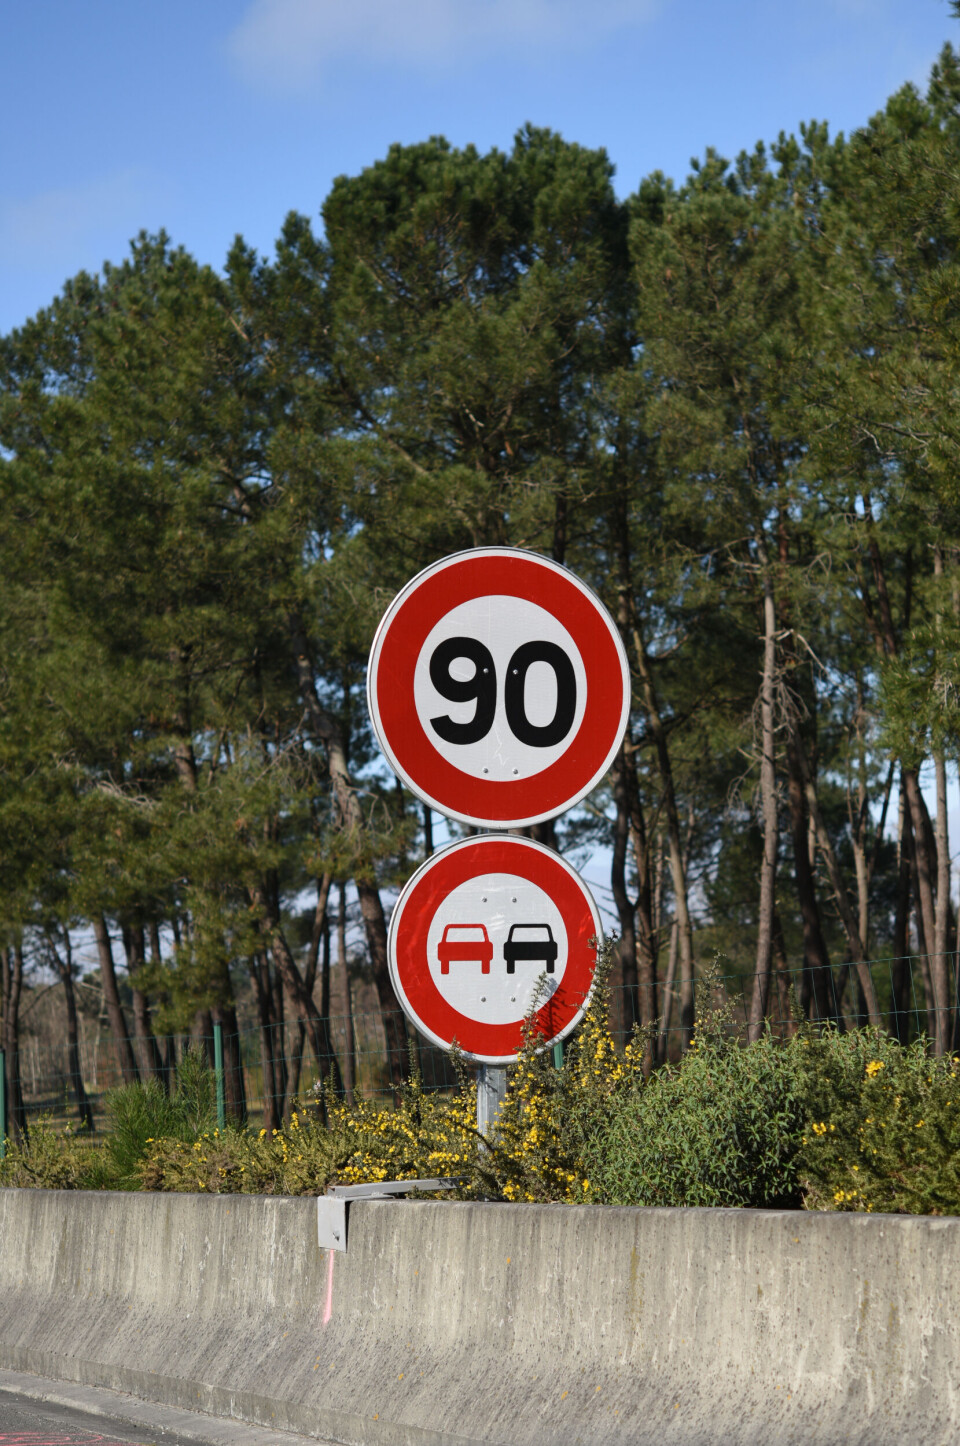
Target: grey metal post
<point x="218" y="1067"/>
<point x="3" y="1103"/>
<point x="491" y="1092"/>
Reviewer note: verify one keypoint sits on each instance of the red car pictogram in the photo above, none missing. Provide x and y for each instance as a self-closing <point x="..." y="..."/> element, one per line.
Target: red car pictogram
<point x="462" y="943"/>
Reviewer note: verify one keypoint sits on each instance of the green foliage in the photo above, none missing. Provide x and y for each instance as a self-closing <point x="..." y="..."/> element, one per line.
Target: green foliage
<point x="839" y="1121"/>
<point x="140" y="1114"/>
<point x="211" y="484"/>
<point x="51" y="1160"/>
<point x="721" y="1128"/>
<point x="550" y="1115"/>
<point x="300" y="1159"/>
<point x="882" y="1129"/>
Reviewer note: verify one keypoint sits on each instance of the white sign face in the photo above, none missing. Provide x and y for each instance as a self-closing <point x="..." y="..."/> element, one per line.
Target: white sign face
<point x="487" y="933"/>
<point x="468" y="678"/>
<point x="492" y="970"/>
<point x="498" y="687"/>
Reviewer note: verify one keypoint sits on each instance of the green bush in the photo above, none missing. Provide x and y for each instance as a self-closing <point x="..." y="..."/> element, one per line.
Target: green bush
<point x="827" y="1121"/>
<point x="51" y="1160"/>
<point x="551" y="1116"/>
<point x="139" y="1114"/>
<point x="723" y="1127"/>
<point x="882" y="1130"/>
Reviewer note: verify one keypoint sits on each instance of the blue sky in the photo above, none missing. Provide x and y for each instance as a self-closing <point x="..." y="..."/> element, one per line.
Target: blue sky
<point x="218" y="116"/>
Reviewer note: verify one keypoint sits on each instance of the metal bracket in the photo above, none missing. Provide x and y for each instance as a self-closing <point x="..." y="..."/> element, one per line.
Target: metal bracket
<point x="332" y="1207"/>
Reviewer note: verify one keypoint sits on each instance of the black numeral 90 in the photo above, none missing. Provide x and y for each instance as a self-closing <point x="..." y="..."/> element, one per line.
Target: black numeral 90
<point x="482" y="688"/>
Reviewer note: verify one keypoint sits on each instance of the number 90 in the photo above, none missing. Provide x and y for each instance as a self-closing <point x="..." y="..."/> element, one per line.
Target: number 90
<point x="482" y="688"/>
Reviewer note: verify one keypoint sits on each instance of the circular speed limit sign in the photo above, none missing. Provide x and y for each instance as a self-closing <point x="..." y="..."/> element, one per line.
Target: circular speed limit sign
<point x="487" y="931"/>
<point x="498" y="687"/>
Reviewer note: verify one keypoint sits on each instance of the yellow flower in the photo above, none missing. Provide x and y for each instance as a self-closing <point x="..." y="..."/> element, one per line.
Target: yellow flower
<point x="874" y="1067"/>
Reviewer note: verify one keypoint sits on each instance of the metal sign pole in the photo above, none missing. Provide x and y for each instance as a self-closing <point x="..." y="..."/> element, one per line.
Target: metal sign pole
<point x="491" y="1092"/>
<point x="491" y="1084"/>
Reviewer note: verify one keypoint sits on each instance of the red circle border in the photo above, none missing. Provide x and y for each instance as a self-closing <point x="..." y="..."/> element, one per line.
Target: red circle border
<point x="486" y="802"/>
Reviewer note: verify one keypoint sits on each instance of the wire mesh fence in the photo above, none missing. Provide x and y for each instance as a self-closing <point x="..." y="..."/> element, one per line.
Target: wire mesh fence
<point x="264" y="1071"/>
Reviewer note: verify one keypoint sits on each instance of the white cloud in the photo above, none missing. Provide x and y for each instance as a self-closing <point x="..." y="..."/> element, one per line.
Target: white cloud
<point x="288" y="43"/>
<point x="51" y="226"/>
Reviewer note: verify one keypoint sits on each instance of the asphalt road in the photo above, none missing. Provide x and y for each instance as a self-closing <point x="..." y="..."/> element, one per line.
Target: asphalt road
<point x="29" y="1423"/>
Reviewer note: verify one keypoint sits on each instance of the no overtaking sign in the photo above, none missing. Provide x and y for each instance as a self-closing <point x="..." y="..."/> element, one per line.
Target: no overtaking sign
<point x="486" y="930"/>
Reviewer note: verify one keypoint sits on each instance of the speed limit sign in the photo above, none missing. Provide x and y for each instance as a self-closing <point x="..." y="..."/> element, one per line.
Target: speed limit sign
<point x="498" y="687"/>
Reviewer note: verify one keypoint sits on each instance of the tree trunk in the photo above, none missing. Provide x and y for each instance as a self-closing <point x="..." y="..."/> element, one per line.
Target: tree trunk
<point x="925" y="872"/>
<point x="646" y="934"/>
<point x="768" y="796"/>
<point x="940" y="965"/>
<point x="544" y="833"/>
<point x="318" y="1029"/>
<point x="815" y="988"/>
<point x="940" y="969"/>
<point x="644" y="917"/>
<point x="148" y="1051"/>
<point x="885" y="638"/>
<point x="310" y="976"/>
<point x="847" y="917"/>
<point x="11" y="991"/>
<point x="325" y="970"/>
<point x="350" y="819"/>
<point x="64" y="966"/>
<point x="111" y="996"/>
<point x="858" y="843"/>
<point x="345" y="1001"/>
<point x="618" y="883"/>
<point x="663" y="1041"/>
<point x="675" y="846"/>
<point x="234" y="1088"/>
<point x="785" y="1000"/>
<point x="168" y="1046"/>
<point x="259" y="973"/>
<point x="901" y="981"/>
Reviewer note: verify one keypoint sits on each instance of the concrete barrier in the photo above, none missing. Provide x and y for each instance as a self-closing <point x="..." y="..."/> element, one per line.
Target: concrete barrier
<point x="459" y="1323"/>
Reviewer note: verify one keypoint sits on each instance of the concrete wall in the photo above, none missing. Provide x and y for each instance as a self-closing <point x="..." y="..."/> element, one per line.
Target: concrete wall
<point x="456" y="1323"/>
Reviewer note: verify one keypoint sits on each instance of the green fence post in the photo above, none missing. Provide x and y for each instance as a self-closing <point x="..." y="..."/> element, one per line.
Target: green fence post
<point x="3" y="1103"/>
<point x="218" y="1067"/>
<point x="558" y="1055"/>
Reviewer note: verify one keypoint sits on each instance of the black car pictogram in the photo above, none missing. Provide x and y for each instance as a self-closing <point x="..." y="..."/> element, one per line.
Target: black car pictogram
<point x="530" y="943"/>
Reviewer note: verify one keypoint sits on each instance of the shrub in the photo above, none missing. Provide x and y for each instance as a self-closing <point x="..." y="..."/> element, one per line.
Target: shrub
<point x="882" y="1129"/>
<point x="550" y="1115"/>
<point x="299" y="1160"/>
<point x="426" y="1135"/>
<point x="723" y="1127"/>
<point x="50" y="1160"/>
<point x="831" y="1121"/>
<point x="139" y="1114"/>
